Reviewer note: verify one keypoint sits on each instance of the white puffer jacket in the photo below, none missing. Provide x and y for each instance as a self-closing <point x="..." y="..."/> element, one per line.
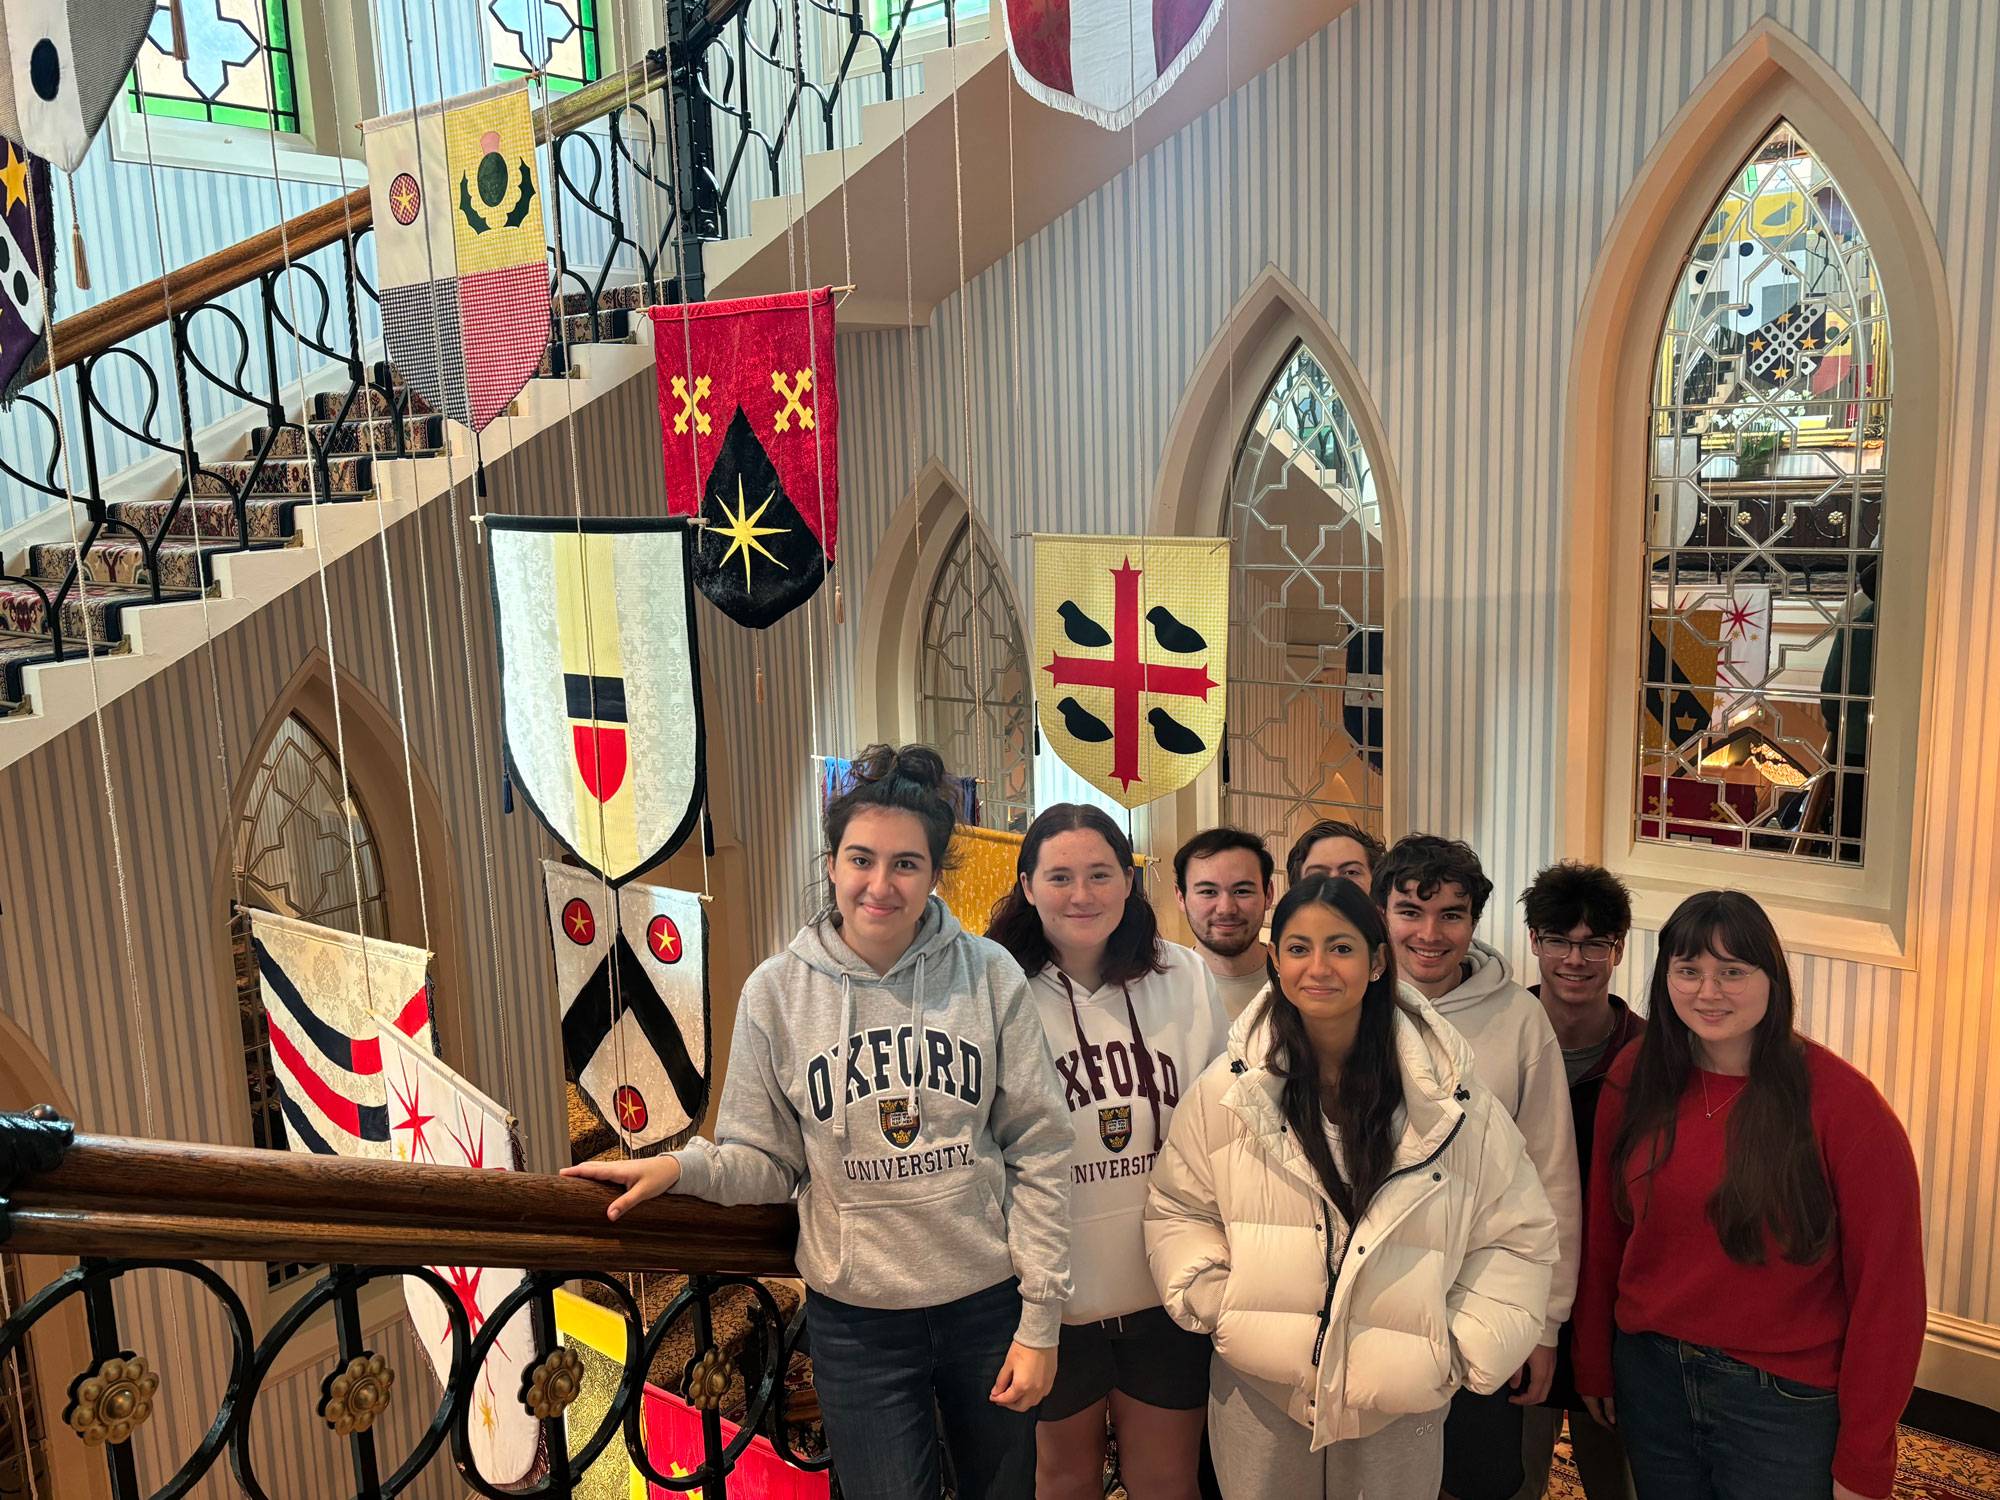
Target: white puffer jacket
<point x="1443" y="1283"/>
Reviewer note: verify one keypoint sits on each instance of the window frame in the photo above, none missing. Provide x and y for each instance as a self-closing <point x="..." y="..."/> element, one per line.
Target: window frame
<point x="601" y="32"/>
<point x="333" y="80"/>
<point x="1860" y="912"/>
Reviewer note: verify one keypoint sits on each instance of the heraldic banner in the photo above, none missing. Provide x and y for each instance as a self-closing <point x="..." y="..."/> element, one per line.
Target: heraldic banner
<point x="62" y="63"/>
<point x="439" y="1119"/>
<point x="27" y="265"/>
<point x="463" y="266"/>
<point x="632" y="984"/>
<point x="330" y="997"/>
<point x="600" y="686"/>
<point x="1131" y="658"/>
<point x="1107" y="60"/>
<point x="750" y="427"/>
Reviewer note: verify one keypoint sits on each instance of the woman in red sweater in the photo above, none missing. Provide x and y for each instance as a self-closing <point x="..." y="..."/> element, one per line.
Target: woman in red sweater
<point x="1752" y="1300"/>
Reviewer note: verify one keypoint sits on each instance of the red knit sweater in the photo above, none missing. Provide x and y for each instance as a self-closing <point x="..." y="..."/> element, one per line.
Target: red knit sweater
<point x="1853" y="1321"/>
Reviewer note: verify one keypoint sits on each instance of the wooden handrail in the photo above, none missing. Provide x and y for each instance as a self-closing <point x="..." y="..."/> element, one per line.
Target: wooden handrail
<point x="112" y="1196"/>
<point x="90" y="332"/>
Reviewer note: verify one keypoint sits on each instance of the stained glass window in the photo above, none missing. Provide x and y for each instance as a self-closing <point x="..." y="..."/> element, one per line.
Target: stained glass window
<point x="1304" y="736"/>
<point x="560" y="37"/>
<point x="925" y="15"/>
<point x="239" y="69"/>
<point x="302" y="847"/>
<point x="974" y="703"/>
<point x="1770" y="425"/>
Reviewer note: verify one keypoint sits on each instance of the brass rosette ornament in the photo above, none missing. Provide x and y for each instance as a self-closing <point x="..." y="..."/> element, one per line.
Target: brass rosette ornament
<point x="110" y="1403"/>
<point x="355" y="1396"/>
<point x="552" y="1386"/>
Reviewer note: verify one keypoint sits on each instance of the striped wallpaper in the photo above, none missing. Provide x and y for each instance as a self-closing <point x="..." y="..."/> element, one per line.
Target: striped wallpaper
<point x="1437" y="176"/>
<point x="150" y="1045"/>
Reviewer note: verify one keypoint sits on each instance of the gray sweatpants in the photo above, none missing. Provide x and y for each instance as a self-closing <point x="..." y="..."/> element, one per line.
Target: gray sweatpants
<point x="1261" y="1453"/>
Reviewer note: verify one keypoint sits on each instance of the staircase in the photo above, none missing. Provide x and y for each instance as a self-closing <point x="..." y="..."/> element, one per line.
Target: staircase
<point x="98" y="593"/>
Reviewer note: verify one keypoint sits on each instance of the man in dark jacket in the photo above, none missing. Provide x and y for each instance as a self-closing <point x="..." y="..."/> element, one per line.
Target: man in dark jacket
<point x="1578" y="918"/>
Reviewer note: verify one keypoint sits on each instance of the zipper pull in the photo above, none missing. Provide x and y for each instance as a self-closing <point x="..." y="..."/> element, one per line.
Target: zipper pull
<point x="1325" y="1316"/>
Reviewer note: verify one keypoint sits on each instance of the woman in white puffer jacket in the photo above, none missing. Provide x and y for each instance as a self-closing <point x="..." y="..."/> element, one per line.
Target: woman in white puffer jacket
<point x="1351" y="1216"/>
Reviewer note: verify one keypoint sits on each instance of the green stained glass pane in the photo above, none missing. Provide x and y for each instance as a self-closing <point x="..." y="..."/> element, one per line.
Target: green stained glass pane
<point x="560" y="38"/>
<point x="238" y="69"/>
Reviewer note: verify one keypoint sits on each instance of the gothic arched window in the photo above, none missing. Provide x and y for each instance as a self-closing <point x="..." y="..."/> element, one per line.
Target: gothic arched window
<point x="1763" y="539"/>
<point x="1307" y="609"/>
<point x="973" y="685"/>
<point x="304" y="849"/>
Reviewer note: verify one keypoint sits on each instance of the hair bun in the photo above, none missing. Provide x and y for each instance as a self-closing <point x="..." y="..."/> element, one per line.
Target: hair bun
<point x="919" y="764"/>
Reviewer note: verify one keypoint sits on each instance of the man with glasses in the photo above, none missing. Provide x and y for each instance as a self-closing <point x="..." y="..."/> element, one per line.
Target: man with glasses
<point x="1578" y="918"/>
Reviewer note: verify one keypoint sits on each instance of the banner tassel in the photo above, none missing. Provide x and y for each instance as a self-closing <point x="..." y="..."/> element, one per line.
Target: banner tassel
<point x="839" y="604"/>
<point x="760" y="685"/>
<point x="79" y="261"/>
<point x="506" y="786"/>
<point x="707" y="833"/>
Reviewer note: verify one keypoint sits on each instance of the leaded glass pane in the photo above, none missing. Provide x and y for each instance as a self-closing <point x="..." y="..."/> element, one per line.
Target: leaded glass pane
<point x="924" y="15"/>
<point x="974" y="703"/>
<point x="559" y="37"/>
<point x="1304" y="738"/>
<point x="306" y="850"/>
<point x="1770" y="422"/>
<point x="239" y="68"/>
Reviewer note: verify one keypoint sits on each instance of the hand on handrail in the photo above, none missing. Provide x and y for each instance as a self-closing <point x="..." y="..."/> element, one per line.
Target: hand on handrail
<point x="640" y="1179"/>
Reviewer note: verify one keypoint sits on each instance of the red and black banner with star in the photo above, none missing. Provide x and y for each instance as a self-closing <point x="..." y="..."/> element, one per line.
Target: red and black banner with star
<point x="749" y="429"/>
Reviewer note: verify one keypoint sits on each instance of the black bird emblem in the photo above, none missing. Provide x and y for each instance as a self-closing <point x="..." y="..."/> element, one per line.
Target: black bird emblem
<point x="1082" y="724"/>
<point x="1081" y="629"/>
<point x="1172" y="635"/>
<point x="1174" y="737"/>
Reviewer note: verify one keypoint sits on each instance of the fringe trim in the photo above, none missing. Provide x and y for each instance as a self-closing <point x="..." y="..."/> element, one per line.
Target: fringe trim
<point x="1125" y="114"/>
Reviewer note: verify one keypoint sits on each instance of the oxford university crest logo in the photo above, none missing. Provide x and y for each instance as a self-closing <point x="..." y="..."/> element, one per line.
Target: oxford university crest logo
<point x="1114" y="1125"/>
<point x="900" y="1122"/>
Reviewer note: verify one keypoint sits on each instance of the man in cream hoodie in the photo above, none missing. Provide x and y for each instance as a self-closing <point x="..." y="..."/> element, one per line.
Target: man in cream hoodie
<point x="1432" y="892"/>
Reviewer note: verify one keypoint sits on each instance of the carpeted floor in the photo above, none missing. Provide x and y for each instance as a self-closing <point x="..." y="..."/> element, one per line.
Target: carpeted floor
<point x="1928" y="1468"/>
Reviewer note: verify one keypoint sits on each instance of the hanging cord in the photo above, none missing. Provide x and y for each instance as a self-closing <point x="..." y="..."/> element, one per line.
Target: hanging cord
<point x="972" y="522"/>
<point x="695" y="535"/>
<point x="803" y="225"/>
<point x="142" y="1004"/>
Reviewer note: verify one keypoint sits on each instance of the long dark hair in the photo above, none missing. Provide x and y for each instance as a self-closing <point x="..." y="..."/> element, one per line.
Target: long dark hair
<point x="1772" y="1179"/>
<point x="1371" y="1079"/>
<point x="1133" y="949"/>
<point x="912" y="779"/>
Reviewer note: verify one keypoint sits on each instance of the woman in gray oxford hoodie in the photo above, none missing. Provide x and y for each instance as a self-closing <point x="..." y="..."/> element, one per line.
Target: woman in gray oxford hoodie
<point x="891" y="1070"/>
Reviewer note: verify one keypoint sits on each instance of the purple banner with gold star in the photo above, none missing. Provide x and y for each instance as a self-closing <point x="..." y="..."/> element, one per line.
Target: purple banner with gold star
<point x="27" y="265"/>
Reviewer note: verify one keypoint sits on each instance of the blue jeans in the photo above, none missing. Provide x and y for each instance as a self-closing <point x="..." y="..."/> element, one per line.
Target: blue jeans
<point x="1699" y="1425"/>
<point x="886" y="1378"/>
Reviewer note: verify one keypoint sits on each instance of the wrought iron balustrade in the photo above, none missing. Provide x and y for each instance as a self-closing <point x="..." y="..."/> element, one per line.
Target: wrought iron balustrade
<point x="130" y="1206"/>
<point x="647" y="166"/>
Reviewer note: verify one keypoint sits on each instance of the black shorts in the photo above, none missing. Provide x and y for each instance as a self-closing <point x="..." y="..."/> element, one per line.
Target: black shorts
<point x="1148" y="1356"/>
<point x="1482" y="1446"/>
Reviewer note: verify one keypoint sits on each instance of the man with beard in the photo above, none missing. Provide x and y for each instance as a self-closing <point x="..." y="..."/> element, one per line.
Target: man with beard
<point x="1222" y="879"/>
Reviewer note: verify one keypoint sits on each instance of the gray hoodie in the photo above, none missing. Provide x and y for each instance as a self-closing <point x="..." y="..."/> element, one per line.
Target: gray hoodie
<point x="924" y="1173"/>
<point x="1516" y="1055"/>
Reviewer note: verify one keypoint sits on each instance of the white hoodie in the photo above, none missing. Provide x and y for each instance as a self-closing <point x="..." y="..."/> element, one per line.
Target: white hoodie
<point x="1516" y="1055"/>
<point x="1117" y="1122"/>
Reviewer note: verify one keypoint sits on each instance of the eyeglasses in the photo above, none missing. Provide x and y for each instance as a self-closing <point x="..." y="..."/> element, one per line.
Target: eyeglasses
<point x="1732" y="979"/>
<point x="1554" y="945"/>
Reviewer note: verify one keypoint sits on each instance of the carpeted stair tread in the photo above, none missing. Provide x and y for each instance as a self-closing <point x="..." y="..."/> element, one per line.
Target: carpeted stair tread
<point x="269" y="518"/>
<point x="357" y="435"/>
<point x="123" y="561"/>
<point x="23" y="612"/>
<point x="632" y="295"/>
<point x="345" y="477"/>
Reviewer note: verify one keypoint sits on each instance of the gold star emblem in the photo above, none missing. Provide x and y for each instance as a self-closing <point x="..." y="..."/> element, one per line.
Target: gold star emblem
<point x="486" y="1411"/>
<point x="743" y="531"/>
<point x="1757" y="345"/>
<point x="1808" y="342"/>
<point x="13" y="176"/>
<point x="1782" y="372"/>
<point x="403" y="199"/>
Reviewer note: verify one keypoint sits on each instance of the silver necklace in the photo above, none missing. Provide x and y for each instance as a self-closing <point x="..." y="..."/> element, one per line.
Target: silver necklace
<point x="1710" y="1109"/>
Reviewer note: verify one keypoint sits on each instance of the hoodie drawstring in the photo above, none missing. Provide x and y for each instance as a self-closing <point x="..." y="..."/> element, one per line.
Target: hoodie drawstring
<point x="917" y="1043"/>
<point x="1142" y="1058"/>
<point x="846" y="1052"/>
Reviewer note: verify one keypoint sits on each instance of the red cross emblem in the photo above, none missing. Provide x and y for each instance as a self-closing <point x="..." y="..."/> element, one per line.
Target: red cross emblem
<point x="664" y="939"/>
<point x="579" y="925"/>
<point x="1127" y="675"/>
